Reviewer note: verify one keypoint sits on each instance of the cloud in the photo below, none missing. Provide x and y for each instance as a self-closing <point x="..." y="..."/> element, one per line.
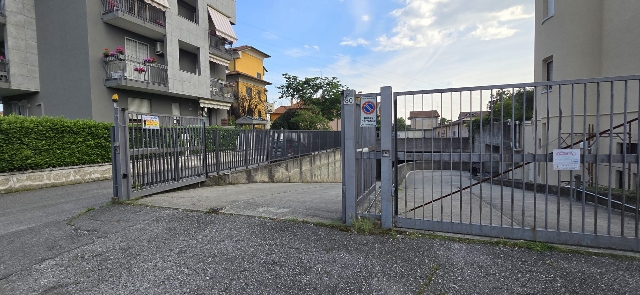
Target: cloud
<point x="304" y="51"/>
<point x="366" y="17"/>
<point x="354" y="43"/>
<point x="422" y="23"/>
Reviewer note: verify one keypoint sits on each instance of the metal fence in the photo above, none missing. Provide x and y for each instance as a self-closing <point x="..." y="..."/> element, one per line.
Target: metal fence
<point x="153" y="153"/>
<point x="550" y="161"/>
<point x="136" y="8"/>
<point x="359" y="180"/>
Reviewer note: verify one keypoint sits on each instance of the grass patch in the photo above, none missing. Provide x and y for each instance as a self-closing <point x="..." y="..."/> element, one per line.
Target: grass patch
<point x="427" y="284"/>
<point x="80" y="214"/>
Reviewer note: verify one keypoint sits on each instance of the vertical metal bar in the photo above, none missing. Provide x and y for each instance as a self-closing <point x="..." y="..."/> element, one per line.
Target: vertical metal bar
<point x="481" y="163"/>
<point x="491" y="124"/>
<point x="433" y="135"/>
<point x="126" y="159"/>
<point x="502" y="146"/>
<point x="546" y="165"/>
<point x="571" y="184"/>
<point x="585" y="147"/>
<point x="441" y="154"/>
<point x="521" y="135"/>
<point x="535" y="154"/>
<point x="387" y="191"/>
<point x="559" y="147"/>
<point x="637" y="186"/>
<point x="611" y="111"/>
<point x="624" y="161"/>
<point x="513" y="147"/>
<point x="461" y="121"/>
<point x="597" y="144"/>
<point x="450" y="135"/>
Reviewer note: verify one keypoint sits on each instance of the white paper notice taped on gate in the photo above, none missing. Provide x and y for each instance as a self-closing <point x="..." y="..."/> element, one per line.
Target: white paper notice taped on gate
<point x="566" y="159"/>
<point x="368" y="108"/>
<point x="150" y="122"/>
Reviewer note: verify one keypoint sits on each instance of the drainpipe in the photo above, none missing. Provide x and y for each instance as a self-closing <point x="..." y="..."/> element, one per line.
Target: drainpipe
<point x="41" y="105"/>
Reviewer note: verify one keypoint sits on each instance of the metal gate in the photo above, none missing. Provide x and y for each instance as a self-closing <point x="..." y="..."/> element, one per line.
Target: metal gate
<point x="551" y="161"/>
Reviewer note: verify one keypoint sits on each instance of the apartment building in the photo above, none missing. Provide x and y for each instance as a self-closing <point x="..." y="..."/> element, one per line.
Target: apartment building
<point x="577" y="39"/>
<point x="68" y="57"/>
<point x="246" y="72"/>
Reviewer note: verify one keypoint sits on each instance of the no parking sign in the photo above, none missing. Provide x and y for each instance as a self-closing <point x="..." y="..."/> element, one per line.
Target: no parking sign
<point x="368" y="116"/>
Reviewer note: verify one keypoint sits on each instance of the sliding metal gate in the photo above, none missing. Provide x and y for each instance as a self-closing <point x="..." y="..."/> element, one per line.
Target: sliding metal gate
<point x="551" y="161"/>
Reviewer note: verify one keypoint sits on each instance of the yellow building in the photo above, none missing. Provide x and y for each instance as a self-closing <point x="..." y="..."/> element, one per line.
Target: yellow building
<point x="247" y="72"/>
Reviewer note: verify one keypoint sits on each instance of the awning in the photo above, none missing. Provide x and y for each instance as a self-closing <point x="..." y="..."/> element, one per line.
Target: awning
<point x="223" y="25"/>
<point x="218" y="60"/>
<point x="161" y="4"/>
<point x="212" y="104"/>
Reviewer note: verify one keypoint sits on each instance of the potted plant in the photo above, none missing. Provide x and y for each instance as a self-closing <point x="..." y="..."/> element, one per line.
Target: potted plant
<point x="140" y="70"/>
<point x="150" y="60"/>
<point x="160" y="23"/>
<point x="120" y="52"/>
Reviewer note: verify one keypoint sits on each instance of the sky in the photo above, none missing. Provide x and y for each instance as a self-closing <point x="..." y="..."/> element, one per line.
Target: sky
<point x="406" y="44"/>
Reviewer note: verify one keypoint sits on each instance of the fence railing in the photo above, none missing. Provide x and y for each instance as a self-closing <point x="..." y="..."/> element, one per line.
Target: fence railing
<point x="127" y="67"/>
<point x="221" y="90"/>
<point x="4" y="70"/>
<point x="217" y="45"/>
<point x="2" y="11"/>
<point x="138" y="9"/>
<point x="165" y="152"/>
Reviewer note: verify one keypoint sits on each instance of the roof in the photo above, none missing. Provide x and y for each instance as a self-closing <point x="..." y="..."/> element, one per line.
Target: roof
<point x="424" y="114"/>
<point x="282" y="109"/>
<point x="232" y="73"/>
<point x="247" y="47"/>
<point x="463" y="115"/>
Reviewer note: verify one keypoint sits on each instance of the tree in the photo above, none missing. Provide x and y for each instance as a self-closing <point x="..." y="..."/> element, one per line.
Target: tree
<point x="301" y="119"/>
<point x="505" y="105"/>
<point x="324" y="93"/>
<point x="250" y="101"/>
<point x="444" y="121"/>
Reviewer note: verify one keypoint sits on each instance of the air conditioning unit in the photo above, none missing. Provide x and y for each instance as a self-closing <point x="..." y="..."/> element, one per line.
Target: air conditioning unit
<point x="159" y="48"/>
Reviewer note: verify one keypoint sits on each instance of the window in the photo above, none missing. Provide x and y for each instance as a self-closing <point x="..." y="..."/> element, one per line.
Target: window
<point x="19" y="108"/>
<point x="259" y="75"/>
<point x="549" y="9"/>
<point x="632" y="148"/>
<point x="249" y="92"/>
<point x="259" y="94"/>
<point x="188" y="61"/>
<point x="136" y="51"/>
<point x="549" y="70"/>
<point x="175" y="109"/>
<point x="139" y="105"/>
<point x="187" y="11"/>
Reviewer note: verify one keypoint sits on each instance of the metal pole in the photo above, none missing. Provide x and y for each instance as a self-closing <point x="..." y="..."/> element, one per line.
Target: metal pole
<point x="349" y="160"/>
<point x="386" y="162"/>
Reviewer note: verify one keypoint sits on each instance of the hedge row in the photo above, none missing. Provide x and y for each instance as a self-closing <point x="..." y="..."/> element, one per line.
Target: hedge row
<point x="28" y="143"/>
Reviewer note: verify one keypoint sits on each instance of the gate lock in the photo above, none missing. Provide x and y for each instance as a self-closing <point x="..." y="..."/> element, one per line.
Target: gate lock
<point x="385" y="153"/>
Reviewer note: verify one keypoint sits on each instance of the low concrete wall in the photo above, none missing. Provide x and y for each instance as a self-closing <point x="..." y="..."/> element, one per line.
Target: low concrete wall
<point x="13" y="182"/>
<point x="324" y="167"/>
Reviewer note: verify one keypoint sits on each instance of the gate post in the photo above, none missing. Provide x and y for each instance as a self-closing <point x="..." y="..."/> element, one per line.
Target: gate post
<point x="119" y="159"/>
<point x="349" y="170"/>
<point x="386" y="162"/>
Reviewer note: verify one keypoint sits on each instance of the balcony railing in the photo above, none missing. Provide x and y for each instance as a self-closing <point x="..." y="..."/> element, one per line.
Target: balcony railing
<point x="138" y="9"/>
<point x="4" y="70"/>
<point x="130" y="68"/>
<point x="217" y="47"/>
<point x="221" y="90"/>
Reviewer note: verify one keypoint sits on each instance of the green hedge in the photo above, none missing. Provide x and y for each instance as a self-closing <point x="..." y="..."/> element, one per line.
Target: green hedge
<point x="28" y="143"/>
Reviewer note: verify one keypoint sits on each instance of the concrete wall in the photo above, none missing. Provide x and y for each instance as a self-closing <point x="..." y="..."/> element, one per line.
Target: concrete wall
<point x="325" y="167"/>
<point x="22" y="47"/>
<point x="63" y="58"/>
<point x="13" y="182"/>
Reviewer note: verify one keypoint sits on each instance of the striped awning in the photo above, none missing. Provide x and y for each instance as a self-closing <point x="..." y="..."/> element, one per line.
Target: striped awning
<point x="161" y="4"/>
<point x="223" y="25"/>
<point x="218" y="60"/>
<point x="206" y="103"/>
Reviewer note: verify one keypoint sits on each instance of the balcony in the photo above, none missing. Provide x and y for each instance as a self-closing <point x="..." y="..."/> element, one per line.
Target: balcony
<point x="217" y="47"/>
<point x="222" y="91"/>
<point x="126" y="72"/>
<point x="136" y="16"/>
<point x="3" y="15"/>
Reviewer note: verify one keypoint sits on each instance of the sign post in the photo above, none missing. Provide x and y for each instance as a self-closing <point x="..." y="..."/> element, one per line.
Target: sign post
<point x="566" y="159"/>
<point x="368" y="108"/>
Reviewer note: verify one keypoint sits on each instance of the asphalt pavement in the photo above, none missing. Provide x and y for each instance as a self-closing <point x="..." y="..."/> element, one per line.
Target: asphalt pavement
<point x="134" y="249"/>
